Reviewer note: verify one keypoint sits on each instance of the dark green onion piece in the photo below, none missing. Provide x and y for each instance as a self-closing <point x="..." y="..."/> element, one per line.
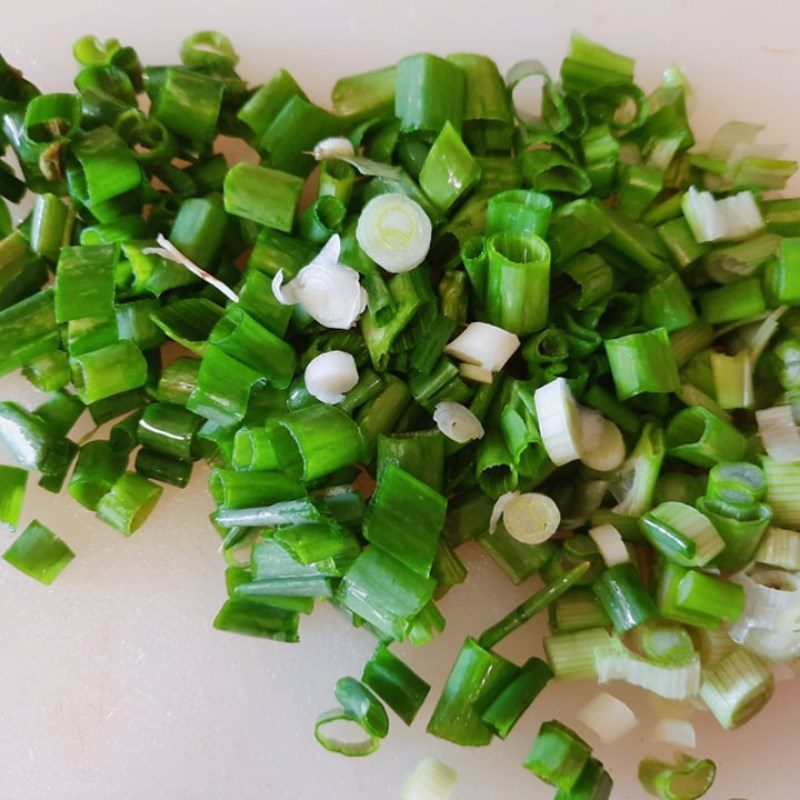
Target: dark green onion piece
<point x="395" y="683"/>
<point x="129" y="502"/>
<point x="558" y="756"/>
<point x="12" y="492"/>
<point x="109" y="371"/>
<point x="85" y="281"/>
<point x="234" y="490"/>
<point x="741" y="537"/>
<point x="28" y="329"/>
<point x="22" y="271"/>
<point x="668" y="304"/>
<point x="189" y="322"/>
<point x="429" y="92"/>
<point x="115" y="406"/>
<point x="49" y="371"/>
<point x="160" y="467"/>
<point x="266" y="102"/>
<point x="199" y="229"/>
<point x="39" y="553"/>
<point x="732" y="302"/>
<point x="189" y="104"/>
<point x="532" y="606"/>
<point x="257" y="618"/>
<point x="60" y="412"/>
<point x="263" y="195"/>
<point x="29" y="440"/>
<point x="135" y="324"/>
<point x="361" y="705"/>
<point x="420" y="454"/>
<point x="477" y="679"/>
<point x="494" y="466"/>
<point x="507" y="709"/>
<point x="98" y="468"/>
<point x="169" y="429"/>
<point x="622" y="593"/>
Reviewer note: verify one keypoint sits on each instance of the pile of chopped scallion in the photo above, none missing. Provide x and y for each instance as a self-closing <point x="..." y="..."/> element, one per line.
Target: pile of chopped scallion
<point x="570" y="337"/>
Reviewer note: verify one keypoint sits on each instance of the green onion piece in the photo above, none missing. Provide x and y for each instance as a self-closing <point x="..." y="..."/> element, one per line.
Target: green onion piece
<point x="592" y="277"/>
<point x="785" y="273"/>
<point x="553" y="169"/>
<point x="336" y="179"/>
<point x="257" y="299"/>
<point x="572" y="655"/>
<point x="360" y="705"/>
<point x="12" y="492"/>
<point x="689" y="779"/>
<point x="698" y="436"/>
<point x="668" y="304"/>
<point x="384" y="592"/>
<point x="263" y="195"/>
<point x="741" y="537"/>
<point x="537" y="602"/>
<point x="594" y="783"/>
<point x="558" y="756"/>
<point x="256" y="618"/>
<point x="509" y="706"/>
<point x="779" y="548"/>
<point x="178" y="381"/>
<point x="48" y="372"/>
<point x="395" y="683"/>
<point x="782" y="482"/>
<point x="169" y="429"/>
<point x="737" y="688"/>
<point x="682" y="534"/>
<point x="639" y="186"/>
<point x="642" y="362"/>
<point x="598" y="398"/>
<point x="733" y="379"/>
<point x="698" y="592"/>
<point x="517" y="560"/>
<point x="420" y="454"/>
<point x="91" y="333"/>
<point x="381" y="414"/>
<point x="189" y="103"/>
<point x="115" y="406"/>
<point x="29" y="440"/>
<point x="728" y="264"/>
<point x="123" y="435"/>
<point x="600" y="154"/>
<point x="135" y="324"/>
<point x="243" y="490"/>
<point x="189" y="322"/>
<point x="129" y="502"/>
<point x="22" y="271"/>
<point x="494" y="466"/>
<point x="577" y="610"/>
<point x="28" y="329"/>
<point x="622" y="594"/>
<point x="39" y="553"/>
<point x="322" y="219"/>
<point x="679" y="240"/>
<point x="53" y="481"/>
<point x="85" y="281"/>
<point x="108" y="371"/>
<point x="429" y="92"/>
<point x="98" y="468"/>
<point x="405" y="518"/>
<point x="669" y="645"/>
<point x="518" y="276"/>
<point x="477" y="679"/>
<point x="266" y="102"/>
<point x="732" y="302"/>
<point x="208" y="48"/>
<point x="163" y="468"/>
<point x="253" y="450"/>
<point x="199" y="229"/>
<point x="689" y="341"/>
<point x="365" y="96"/>
<point x="449" y="171"/>
<point x="668" y="587"/>
<point x="60" y="412"/>
<point x="109" y="166"/>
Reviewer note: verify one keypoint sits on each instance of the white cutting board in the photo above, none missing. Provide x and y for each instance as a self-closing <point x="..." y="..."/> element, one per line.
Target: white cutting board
<point x="112" y="682"/>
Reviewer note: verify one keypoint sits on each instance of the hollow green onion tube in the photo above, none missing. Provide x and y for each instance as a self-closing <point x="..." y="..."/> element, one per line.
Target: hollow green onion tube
<point x="266" y="196"/>
<point x="385" y="593"/>
<point x="12" y="492"/>
<point x="597" y="397"/>
<point x="178" y="381"/>
<point x="115" y="406"/>
<point x="395" y="683"/>
<point x="189" y="104"/>
<point x="429" y="92"/>
<point x="741" y="537"/>
<point x="236" y="490"/>
<point x="449" y="170"/>
<point x="405" y="519"/>
<point x="679" y="240"/>
<point x="420" y="454"/>
<point x="381" y="414"/>
<point x="28" y="329"/>
<point x="574" y="227"/>
<point x="253" y="450"/>
<point x="336" y="179"/>
<point x="785" y="273"/>
<point x="689" y="779"/>
<point x="553" y="169"/>
<point x="29" y="440"/>
<point x="682" y="533"/>
<point x="60" y="412"/>
<point x="621" y="592"/>
<point x="129" y="502"/>
<point x="53" y="481"/>
<point x="518" y="282"/>
<point x="667" y="304"/>
<point x="706" y="594"/>
<point x="108" y="371"/>
<point x="519" y="211"/>
<point x="558" y="756"/>
<point x="700" y="437"/>
<point x="638" y="186"/>
<point x="85" y="281"/>
<point x="254" y="617"/>
<point x="642" y="362"/>
<point x="163" y="468"/>
<point x="49" y="371"/>
<point x="199" y="229"/>
<point x="189" y="322"/>
<point x="98" y="468"/>
<point x="509" y="706"/>
<point x="577" y="610"/>
<point x="39" y="553"/>
<point x="322" y="219"/>
<point x="517" y="560"/>
<point x="169" y="429"/>
<point x="737" y="688"/>
<point x="365" y="96"/>
<point x="316" y="441"/>
<point x="669" y="581"/>
<point x="533" y="605"/>
<point x="477" y="679"/>
<point x="266" y="102"/>
<point x="22" y="271"/>
<point x="494" y="466"/>
<point x="135" y="324"/>
<point x="732" y="302"/>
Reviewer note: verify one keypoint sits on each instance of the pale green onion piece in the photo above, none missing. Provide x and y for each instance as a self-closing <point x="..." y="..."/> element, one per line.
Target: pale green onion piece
<point x="431" y="780"/>
<point x="472" y="372"/>
<point x="779" y="433"/>
<point x="783" y="491"/>
<point x="678" y="733"/>
<point x="610" y="544"/>
<point x="574" y="656"/>
<point x="457" y="422"/>
<point x="771" y="596"/>
<point x="484" y="345"/>
<point x="559" y="421"/>
<point x="729" y="135"/>
<point x="780" y="548"/>
<point x="394" y="232"/>
<point x="637" y="479"/>
<point x="607" y="717"/>
<point x="530" y="518"/>
<point x="334" y="147"/>
<point x="674" y="682"/>
<point x="672" y="524"/>
<point x="602" y="444"/>
<point x="713" y="645"/>
<point x="692" y="396"/>
<point x="737" y="688"/>
<point x="760" y="339"/>
<point x="711" y="220"/>
<point x="328" y="291"/>
<point x="168" y="250"/>
<point x="330" y="375"/>
<point x="733" y="379"/>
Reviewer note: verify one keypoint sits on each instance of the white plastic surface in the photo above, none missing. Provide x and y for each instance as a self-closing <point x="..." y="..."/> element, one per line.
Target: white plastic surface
<point x="113" y="683"/>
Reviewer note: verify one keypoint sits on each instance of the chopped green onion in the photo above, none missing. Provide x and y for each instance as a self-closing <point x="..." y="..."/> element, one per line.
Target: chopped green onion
<point x="108" y="371"/>
<point x="689" y="779"/>
<point x="431" y="780"/>
<point x="128" y="503"/>
<point x="682" y="534"/>
<point x="558" y="756"/>
<point x="395" y="683"/>
<point x="622" y="594"/>
<point x="39" y="553"/>
<point x="698" y="436"/>
<point x="642" y="362"/>
<point x="263" y="195"/>
<point x="12" y="492"/>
